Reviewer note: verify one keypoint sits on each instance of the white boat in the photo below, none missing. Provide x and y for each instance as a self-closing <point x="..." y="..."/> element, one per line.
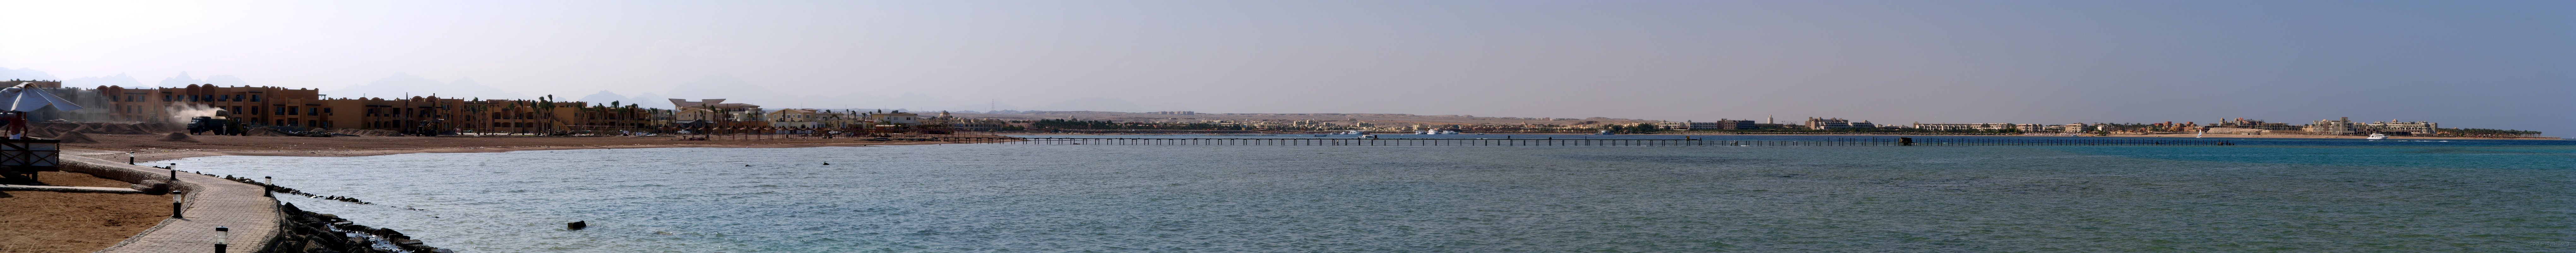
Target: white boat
<point x="1604" y="132"/>
<point x="2376" y="136"/>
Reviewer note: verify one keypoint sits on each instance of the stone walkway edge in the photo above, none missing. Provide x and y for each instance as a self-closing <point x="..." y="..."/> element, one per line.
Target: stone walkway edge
<point x="67" y="189"/>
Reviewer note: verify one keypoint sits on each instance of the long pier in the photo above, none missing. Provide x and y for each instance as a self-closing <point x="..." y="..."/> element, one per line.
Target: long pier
<point x="1877" y="141"/>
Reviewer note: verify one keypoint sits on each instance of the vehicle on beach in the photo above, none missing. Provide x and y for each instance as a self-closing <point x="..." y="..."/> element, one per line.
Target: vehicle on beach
<point x="2376" y="136"/>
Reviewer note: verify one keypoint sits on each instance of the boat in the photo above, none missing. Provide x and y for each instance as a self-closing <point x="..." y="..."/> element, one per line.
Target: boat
<point x="2376" y="136"/>
<point x="1319" y="135"/>
<point x="1604" y="132"/>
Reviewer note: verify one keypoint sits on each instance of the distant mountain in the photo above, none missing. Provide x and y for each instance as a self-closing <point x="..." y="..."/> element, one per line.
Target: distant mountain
<point x="603" y="97"/>
<point x="121" y="79"/>
<point x="400" y="84"/>
<point x="24" y="74"/>
<point x="183" y="80"/>
<point x="732" y="89"/>
<point x="650" y="100"/>
<point x="1096" y="104"/>
<point x="118" y="80"/>
<point x="646" y="100"/>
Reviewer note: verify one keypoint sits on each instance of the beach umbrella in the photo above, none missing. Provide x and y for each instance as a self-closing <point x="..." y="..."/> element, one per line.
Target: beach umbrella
<point x="22" y="98"/>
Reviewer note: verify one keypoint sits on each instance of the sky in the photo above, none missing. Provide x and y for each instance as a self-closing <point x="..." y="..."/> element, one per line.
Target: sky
<point x="2479" y="64"/>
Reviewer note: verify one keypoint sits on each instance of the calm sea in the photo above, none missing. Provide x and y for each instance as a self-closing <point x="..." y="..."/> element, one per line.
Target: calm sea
<point x="2264" y="195"/>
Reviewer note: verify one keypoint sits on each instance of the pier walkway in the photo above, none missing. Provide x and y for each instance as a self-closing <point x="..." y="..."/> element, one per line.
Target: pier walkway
<point x="211" y="202"/>
<point x="1678" y="142"/>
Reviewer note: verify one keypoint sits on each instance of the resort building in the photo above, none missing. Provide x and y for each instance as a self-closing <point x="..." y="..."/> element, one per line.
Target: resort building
<point x="716" y="113"/>
<point x="2343" y="126"/>
<point x="2404" y="128"/>
<point x="289" y="108"/>
<point x="2252" y="124"/>
<point x="415" y="115"/>
<point x="795" y="118"/>
<point x="1814" y="123"/>
<point x="1720" y="124"/>
<point x="1965" y="126"/>
<point x="896" y="117"/>
<point x="539" y="116"/>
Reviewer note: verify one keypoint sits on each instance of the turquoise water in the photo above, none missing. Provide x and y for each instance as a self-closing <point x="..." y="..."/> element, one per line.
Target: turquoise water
<point x="2288" y="196"/>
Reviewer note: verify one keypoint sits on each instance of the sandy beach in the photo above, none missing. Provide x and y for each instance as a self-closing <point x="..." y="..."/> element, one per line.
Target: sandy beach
<point x="43" y="221"/>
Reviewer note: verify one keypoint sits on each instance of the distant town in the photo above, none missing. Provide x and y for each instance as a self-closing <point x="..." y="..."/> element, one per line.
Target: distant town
<point x="257" y="110"/>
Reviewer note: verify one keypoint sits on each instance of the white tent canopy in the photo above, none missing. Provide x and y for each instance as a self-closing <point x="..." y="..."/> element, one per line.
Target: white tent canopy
<point x="20" y="98"/>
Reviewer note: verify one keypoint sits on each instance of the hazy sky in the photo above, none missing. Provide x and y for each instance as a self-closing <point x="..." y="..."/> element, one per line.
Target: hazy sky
<point x="2488" y="64"/>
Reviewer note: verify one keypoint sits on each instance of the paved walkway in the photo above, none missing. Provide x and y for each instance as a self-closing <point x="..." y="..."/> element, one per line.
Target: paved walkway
<point x="212" y="202"/>
<point x="51" y="188"/>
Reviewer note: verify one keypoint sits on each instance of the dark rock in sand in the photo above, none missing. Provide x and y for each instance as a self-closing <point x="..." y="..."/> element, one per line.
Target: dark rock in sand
<point x="179" y="137"/>
<point x="75" y="137"/>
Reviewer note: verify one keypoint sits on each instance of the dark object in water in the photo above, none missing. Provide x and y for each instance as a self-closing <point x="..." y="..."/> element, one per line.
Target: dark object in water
<point x="576" y="225"/>
<point x="1903" y="141"/>
<point x="827" y="163"/>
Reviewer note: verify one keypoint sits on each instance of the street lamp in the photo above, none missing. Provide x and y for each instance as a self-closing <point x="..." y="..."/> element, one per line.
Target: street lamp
<point x="220" y="234"/>
<point x="175" y="197"/>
